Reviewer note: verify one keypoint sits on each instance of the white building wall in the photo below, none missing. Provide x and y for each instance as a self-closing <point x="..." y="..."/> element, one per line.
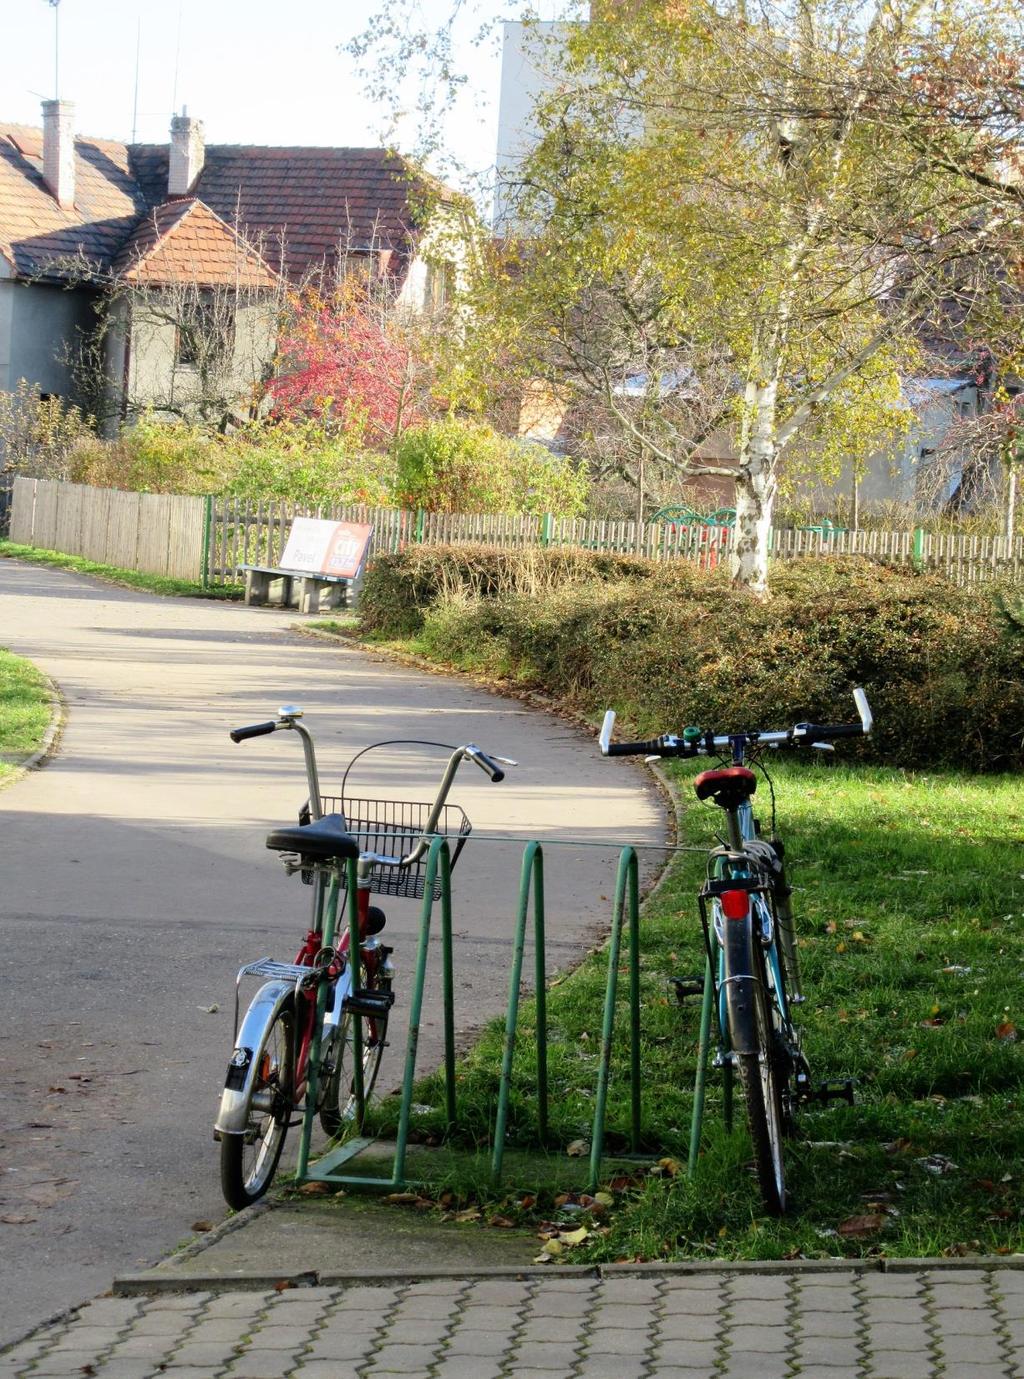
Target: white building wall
<point x="527" y="72"/>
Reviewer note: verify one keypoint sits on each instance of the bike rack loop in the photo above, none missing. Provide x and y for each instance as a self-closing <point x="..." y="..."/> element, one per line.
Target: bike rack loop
<point x="626" y="909"/>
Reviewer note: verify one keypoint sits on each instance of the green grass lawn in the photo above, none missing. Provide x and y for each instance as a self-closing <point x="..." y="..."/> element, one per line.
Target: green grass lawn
<point x="909" y="894"/>
<point x="24" y="711"/>
<point x="130" y="579"/>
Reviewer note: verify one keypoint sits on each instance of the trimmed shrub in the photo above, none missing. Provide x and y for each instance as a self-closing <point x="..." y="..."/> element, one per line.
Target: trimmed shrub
<point x="400" y="589"/>
<point x="667" y="645"/>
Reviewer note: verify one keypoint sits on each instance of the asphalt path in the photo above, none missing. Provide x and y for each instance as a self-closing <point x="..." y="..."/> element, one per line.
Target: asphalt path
<point x="134" y="881"/>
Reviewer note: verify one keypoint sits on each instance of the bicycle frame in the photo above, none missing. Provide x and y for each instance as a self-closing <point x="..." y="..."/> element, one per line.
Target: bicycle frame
<point x="312" y="1017"/>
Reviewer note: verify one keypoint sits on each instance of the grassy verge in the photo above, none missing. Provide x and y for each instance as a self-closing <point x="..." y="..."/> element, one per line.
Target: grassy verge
<point x="130" y="579"/>
<point x="908" y="887"/>
<point x="24" y="711"/>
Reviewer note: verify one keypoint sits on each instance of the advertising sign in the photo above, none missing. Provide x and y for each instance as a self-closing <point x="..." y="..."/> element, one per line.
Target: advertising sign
<point x="319" y="547"/>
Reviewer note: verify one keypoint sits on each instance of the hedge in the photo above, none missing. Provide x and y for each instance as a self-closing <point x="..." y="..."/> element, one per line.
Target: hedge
<point x="668" y="645"/>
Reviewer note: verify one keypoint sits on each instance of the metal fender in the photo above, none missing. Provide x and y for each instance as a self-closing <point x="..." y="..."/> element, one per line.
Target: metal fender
<point x="232" y="1119"/>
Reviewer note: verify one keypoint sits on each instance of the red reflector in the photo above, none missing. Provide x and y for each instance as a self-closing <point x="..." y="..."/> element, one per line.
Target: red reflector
<point x="735" y="904"/>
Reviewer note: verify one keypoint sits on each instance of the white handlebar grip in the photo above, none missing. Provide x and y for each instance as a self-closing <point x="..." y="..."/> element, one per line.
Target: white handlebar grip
<point x="864" y="709"/>
<point x="607" y="728"/>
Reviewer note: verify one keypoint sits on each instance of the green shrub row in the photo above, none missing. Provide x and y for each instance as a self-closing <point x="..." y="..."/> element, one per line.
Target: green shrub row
<point x="668" y="645"/>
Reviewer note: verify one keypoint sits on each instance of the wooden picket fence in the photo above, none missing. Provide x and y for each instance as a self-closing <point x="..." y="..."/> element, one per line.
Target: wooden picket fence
<point x="157" y="533"/>
<point x="247" y="532"/>
<point x="211" y="539"/>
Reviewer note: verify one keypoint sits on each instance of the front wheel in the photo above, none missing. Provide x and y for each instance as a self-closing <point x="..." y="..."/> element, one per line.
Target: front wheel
<point x="753" y="1041"/>
<point x="338" y="1108"/>
<point x="248" y="1161"/>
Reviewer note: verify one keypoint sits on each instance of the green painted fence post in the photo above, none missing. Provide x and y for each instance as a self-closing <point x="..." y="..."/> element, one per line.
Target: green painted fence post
<point x="421" y="517"/>
<point x="547" y="521"/>
<point x="918" y="547"/>
<point x="207" y="538"/>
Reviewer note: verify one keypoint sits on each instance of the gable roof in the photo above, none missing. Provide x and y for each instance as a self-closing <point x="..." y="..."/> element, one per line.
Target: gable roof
<point x="185" y="241"/>
<point x="299" y="206"/>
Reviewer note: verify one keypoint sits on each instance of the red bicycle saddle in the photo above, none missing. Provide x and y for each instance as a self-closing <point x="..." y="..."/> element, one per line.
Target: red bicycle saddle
<point x="728" y="786"/>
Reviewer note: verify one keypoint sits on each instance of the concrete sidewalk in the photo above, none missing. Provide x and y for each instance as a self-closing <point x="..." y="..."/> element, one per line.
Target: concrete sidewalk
<point x="827" y="1323"/>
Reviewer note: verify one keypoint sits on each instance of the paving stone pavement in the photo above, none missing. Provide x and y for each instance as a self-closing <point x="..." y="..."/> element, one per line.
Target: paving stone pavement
<point x="936" y="1324"/>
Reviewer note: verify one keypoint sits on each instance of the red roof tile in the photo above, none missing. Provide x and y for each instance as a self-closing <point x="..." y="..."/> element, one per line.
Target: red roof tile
<point x="183" y="241"/>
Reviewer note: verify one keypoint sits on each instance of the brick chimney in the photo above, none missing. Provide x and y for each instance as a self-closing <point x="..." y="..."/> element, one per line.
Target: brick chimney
<point x="188" y="153"/>
<point x="59" y="151"/>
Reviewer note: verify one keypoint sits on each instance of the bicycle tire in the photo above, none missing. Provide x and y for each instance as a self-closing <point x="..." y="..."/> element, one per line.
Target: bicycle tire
<point x="752" y="1040"/>
<point x="338" y="1103"/>
<point x="249" y="1161"/>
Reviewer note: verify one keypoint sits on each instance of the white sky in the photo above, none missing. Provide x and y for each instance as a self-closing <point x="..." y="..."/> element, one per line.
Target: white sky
<point x="255" y="71"/>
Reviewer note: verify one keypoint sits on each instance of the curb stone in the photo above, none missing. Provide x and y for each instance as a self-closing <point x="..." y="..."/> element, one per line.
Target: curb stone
<point x="51" y="738"/>
<point x="208" y="1238"/>
<point x="128" y="1285"/>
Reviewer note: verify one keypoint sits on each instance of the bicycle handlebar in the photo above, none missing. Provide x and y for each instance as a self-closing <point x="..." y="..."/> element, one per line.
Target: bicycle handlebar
<point x="253" y="730"/>
<point x="694" y="743"/>
<point x="487" y="764"/>
<point x="288" y="715"/>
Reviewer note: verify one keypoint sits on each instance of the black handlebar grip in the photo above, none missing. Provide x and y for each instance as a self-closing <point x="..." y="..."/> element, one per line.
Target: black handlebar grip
<point x="817" y="731"/>
<point x="655" y="747"/>
<point x="491" y="767"/>
<point x="253" y="730"/>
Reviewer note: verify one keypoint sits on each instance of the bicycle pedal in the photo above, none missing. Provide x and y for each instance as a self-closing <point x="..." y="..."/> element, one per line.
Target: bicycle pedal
<point x="370" y="1003"/>
<point x="835" y="1091"/>
<point x="685" y="987"/>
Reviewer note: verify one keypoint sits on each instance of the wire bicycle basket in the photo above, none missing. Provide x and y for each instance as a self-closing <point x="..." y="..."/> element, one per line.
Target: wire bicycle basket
<point x="393" y="827"/>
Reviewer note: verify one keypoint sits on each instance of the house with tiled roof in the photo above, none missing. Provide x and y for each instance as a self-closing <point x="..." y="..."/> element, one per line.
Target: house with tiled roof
<point x="91" y="228"/>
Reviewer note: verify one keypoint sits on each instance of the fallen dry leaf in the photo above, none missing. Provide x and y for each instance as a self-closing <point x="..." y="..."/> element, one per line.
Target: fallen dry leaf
<point x="577" y="1149"/>
<point x="1007" y="1032"/>
<point x="855" y="1226"/>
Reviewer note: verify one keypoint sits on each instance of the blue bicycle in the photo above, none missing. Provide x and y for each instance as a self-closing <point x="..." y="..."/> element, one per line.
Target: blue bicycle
<point x="752" y="977"/>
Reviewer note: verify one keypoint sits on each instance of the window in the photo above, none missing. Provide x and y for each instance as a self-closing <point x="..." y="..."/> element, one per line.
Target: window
<point x="440" y="288"/>
<point x="205" y="335"/>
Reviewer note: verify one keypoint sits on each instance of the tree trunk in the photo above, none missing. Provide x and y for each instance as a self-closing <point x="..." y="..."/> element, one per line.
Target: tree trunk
<point x="640" y="492"/>
<point x="755" y="501"/>
<point x="755" y="490"/>
<point x="855" y="503"/>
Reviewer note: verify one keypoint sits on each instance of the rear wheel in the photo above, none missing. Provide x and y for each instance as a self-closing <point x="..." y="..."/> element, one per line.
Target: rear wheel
<point x="248" y="1161"/>
<point x="758" y="1058"/>
<point x="338" y="1108"/>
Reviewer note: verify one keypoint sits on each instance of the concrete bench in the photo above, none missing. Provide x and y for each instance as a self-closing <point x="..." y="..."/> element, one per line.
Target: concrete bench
<point x="319" y="555"/>
<point x="297" y="588"/>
